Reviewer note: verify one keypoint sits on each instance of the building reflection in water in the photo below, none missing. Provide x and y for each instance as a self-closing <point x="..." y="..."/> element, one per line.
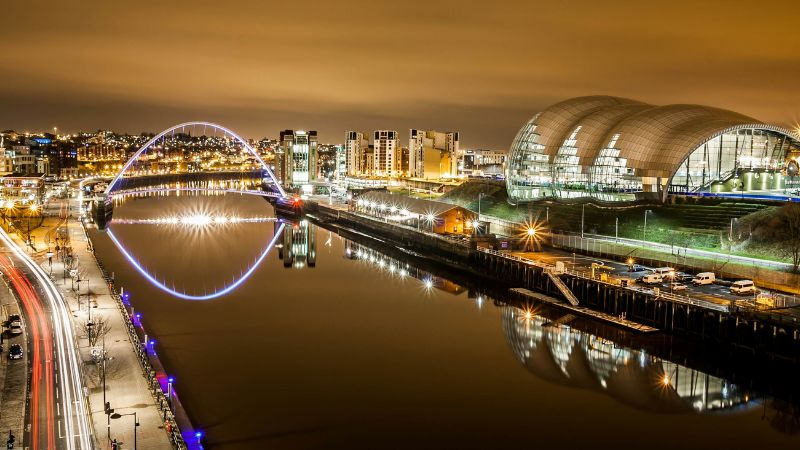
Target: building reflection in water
<point x="298" y="247"/>
<point x="380" y="261"/>
<point x="555" y="352"/>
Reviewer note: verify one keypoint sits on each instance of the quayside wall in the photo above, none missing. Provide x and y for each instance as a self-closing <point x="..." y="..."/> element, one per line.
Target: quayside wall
<point x="772" y="334"/>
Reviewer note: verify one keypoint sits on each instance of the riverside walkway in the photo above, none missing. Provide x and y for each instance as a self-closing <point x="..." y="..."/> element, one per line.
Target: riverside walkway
<point x="126" y="389"/>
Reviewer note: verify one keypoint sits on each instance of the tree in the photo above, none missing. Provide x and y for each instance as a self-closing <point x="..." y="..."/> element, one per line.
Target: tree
<point x="95" y="331"/>
<point x="789" y="216"/>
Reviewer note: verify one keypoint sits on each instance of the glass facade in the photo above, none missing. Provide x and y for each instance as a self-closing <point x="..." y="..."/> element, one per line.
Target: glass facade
<point x="618" y="150"/>
<point x="742" y="160"/>
<point x="528" y="170"/>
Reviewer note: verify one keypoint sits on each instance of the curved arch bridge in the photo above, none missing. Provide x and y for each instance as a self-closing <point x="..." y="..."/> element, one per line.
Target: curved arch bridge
<point x="102" y="205"/>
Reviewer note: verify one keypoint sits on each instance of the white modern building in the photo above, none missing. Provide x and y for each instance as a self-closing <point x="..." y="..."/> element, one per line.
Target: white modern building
<point x="297" y="157"/>
<point x="617" y="150"/>
<point x="356" y="145"/>
<point x="433" y="154"/>
<point x="386" y="157"/>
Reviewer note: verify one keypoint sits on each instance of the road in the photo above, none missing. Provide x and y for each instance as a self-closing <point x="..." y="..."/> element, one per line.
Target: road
<point x="57" y="416"/>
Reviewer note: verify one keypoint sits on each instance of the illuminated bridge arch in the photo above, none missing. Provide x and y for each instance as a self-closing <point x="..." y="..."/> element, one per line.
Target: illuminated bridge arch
<point x="183" y="126"/>
<point x="209" y="296"/>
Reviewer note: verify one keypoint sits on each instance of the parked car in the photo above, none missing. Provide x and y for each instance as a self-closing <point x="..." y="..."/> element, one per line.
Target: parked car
<point x="13" y="318"/>
<point x="15" y="328"/>
<point x="638" y="268"/>
<point x="15" y="352"/>
<point x="704" y="278"/>
<point x="677" y="287"/>
<point x="743" y="287"/>
<point x="683" y="276"/>
<point x="652" y="278"/>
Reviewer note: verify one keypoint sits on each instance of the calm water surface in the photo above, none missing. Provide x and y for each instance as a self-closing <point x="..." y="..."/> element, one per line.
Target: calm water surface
<point x="331" y="344"/>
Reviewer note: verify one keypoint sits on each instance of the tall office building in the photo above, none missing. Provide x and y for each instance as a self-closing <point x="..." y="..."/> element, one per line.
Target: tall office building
<point x="355" y="147"/>
<point x="386" y="158"/>
<point x="432" y="154"/>
<point x="297" y="157"/>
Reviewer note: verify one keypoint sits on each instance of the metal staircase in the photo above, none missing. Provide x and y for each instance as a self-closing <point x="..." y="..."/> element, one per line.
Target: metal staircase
<point x="563" y="288"/>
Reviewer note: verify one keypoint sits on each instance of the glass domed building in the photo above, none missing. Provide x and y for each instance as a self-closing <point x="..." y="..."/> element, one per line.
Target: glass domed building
<point x="616" y="149"/>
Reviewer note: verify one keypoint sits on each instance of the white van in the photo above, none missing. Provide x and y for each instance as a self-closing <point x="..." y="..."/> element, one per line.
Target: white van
<point x="743" y="287"/>
<point x="704" y="278"/>
<point x="664" y="271"/>
<point x="652" y="278"/>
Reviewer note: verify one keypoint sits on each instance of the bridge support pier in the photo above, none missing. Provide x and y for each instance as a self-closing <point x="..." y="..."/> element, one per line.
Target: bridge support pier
<point x="102" y="211"/>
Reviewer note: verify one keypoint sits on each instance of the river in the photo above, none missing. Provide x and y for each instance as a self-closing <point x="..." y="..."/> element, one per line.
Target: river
<point x="329" y="343"/>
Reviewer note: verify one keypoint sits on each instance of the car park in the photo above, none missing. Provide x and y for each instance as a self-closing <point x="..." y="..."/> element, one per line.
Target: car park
<point x="743" y="287"/>
<point x="704" y="278"/>
<point x="15" y="352"/>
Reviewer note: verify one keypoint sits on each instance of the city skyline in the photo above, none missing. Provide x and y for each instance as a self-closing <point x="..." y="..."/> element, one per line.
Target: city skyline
<point x="489" y="70"/>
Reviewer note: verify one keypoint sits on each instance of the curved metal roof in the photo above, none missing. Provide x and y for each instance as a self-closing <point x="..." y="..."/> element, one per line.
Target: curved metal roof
<point x="656" y="141"/>
<point x="594" y="133"/>
<point x="653" y="139"/>
<point x="556" y="123"/>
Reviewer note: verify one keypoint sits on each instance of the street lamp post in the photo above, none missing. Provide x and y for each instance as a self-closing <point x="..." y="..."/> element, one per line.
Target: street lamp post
<point x="644" y="231"/>
<point x="135" y="423"/>
<point x="583" y="211"/>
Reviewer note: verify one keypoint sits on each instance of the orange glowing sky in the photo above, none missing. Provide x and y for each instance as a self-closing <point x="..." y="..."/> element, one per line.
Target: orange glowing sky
<point x="482" y="68"/>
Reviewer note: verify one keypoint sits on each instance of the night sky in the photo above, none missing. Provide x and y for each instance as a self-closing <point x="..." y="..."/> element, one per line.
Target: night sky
<point x="482" y="68"/>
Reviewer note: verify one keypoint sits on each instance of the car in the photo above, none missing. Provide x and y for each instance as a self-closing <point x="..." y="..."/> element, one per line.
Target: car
<point x="15" y="328"/>
<point x="638" y="268"/>
<point x="683" y="276"/>
<point x="678" y="287"/>
<point x="13" y="317"/>
<point x="15" y="352"/>
<point x="743" y="287"/>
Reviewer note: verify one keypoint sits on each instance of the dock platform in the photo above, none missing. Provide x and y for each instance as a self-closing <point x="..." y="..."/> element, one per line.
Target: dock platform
<point x="586" y="312"/>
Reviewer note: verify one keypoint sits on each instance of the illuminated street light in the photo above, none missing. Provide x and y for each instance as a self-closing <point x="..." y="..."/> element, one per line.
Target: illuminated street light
<point x="531" y="231"/>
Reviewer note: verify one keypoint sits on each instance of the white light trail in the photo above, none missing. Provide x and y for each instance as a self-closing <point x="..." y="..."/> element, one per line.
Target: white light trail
<point x="73" y="404"/>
